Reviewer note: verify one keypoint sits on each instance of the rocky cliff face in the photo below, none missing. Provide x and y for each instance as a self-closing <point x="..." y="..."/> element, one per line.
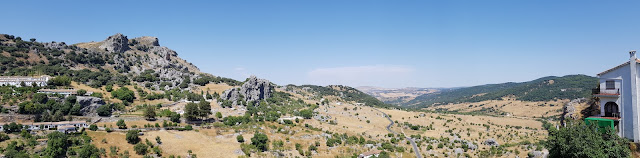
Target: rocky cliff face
<point x="116" y="43"/>
<point x="252" y="90"/>
<point x="89" y="105"/>
<point x="137" y="55"/>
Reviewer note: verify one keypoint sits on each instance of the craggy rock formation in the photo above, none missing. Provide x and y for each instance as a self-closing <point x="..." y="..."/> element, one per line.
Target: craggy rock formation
<point x="116" y="43"/>
<point x="569" y="110"/>
<point x="89" y="105"/>
<point x="252" y="90"/>
<point x="147" y="41"/>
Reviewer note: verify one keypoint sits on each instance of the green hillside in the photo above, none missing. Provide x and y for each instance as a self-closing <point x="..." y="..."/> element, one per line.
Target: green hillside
<point x="344" y="92"/>
<point x="542" y="89"/>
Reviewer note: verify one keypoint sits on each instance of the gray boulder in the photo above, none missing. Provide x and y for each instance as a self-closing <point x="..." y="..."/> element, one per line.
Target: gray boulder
<point x="117" y="43"/>
<point x="55" y="45"/>
<point x="472" y="146"/>
<point x="252" y="90"/>
<point x="491" y="142"/>
<point x="89" y="105"/>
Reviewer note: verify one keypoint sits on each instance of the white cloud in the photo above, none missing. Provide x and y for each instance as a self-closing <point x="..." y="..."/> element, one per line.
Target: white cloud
<point x="371" y="75"/>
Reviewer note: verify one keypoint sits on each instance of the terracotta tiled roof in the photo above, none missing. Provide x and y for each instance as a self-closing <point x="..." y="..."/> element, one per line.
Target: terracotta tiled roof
<point x="619" y="66"/>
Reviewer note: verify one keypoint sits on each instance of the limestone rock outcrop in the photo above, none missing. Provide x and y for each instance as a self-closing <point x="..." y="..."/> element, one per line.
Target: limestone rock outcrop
<point x="252" y="90"/>
<point x="147" y="41"/>
<point x="117" y="43"/>
<point x="89" y="105"/>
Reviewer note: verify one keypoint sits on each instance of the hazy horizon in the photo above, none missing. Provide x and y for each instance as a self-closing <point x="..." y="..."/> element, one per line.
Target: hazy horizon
<point x="357" y="43"/>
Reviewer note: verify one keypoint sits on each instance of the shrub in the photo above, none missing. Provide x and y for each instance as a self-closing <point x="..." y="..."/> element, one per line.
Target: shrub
<point x="240" y="139"/>
<point x="123" y="94"/>
<point x="132" y="136"/>
<point x="150" y="113"/>
<point x="306" y="113"/>
<point x="260" y="140"/>
<point x="580" y="140"/>
<point x="81" y="92"/>
<point x="104" y="110"/>
<point x="140" y="148"/>
<point x="121" y="124"/>
<point x="93" y="127"/>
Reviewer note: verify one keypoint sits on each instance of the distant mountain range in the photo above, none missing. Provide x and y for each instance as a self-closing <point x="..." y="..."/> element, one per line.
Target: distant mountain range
<point x="542" y="89"/>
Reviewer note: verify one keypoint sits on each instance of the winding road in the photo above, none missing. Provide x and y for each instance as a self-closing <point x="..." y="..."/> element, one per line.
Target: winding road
<point x="413" y="143"/>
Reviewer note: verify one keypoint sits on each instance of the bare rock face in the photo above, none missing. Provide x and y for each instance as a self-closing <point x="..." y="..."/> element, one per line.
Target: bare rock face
<point x="55" y="45"/>
<point x="252" y="90"/>
<point x="89" y="105"/>
<point x="147" y="41"/>
<point x="116" y="43"/>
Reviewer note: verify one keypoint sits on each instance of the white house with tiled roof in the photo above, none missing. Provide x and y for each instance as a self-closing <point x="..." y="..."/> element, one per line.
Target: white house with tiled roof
<point x="619" y="95"/>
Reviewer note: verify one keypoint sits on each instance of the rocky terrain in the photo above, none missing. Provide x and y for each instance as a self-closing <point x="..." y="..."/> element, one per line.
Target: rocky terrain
<point x="252" y="90"/>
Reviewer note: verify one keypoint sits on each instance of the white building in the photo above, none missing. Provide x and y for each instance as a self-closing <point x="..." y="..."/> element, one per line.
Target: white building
<point x="619" y="94"/>
<point x="50" y="125"/>
<point x="16" y="80"/>
<point x="65" y="92"/>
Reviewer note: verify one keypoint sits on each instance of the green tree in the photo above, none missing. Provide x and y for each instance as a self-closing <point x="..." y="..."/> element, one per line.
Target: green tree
<point x="175" y="117"/>
<point x="240" y="139"/>
<point x="93" y="127"/>
<point x="132" y="136"/>
<point x="124" y="94"/>
<point x="191" y="111"/>
<point x="40" y="98"/>
<point x="204" y="108"/>
<point x="104" y="110"/>
<point x="60" y="81"/>
<point x="140" y="148"/>
<point x="121" y="124"/>
<point x="108" y="88"/>
<point x="81" y="92"/>
<point x="57" y="145"/>
<point x="260" y="140"/>
<point x="89" y="150"/>
<point x="306" y="113"/>
<point x="580" y="140"/>
<point x="150" y="113"/>
<point x="219" y="115"/>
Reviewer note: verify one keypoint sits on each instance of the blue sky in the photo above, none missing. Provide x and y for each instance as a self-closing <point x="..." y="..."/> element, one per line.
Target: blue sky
<point x="357" y="42"/>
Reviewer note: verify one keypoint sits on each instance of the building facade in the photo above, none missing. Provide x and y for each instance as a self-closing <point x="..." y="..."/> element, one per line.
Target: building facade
<point x="28" y="81"/>
<point x="50" y="125"/>
<point x="619" y="95"/>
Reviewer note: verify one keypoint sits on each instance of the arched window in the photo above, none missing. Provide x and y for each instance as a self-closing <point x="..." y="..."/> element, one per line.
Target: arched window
<point x="611" y="110"/>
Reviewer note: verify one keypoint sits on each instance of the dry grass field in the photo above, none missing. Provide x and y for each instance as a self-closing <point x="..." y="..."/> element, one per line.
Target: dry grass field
<point x="509" y="107"/>
<point x="519" y="128"/>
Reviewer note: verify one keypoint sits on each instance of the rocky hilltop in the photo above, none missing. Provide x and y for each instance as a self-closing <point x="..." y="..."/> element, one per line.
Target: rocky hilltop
<point x="116" y="60"/>
<point x="254" y="89"/>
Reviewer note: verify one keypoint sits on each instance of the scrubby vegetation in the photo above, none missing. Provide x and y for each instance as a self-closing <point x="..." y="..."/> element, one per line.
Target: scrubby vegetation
<point x="581" y="140"/>
<point x="543" y="89"/>
<point x="344" y="92"/>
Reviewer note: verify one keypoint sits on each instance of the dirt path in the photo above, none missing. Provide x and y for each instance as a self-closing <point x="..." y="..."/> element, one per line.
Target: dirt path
<point x="413" y="143"/>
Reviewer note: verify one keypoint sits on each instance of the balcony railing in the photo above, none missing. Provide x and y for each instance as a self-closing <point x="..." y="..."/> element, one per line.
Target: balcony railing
<point x="598" y="91"/>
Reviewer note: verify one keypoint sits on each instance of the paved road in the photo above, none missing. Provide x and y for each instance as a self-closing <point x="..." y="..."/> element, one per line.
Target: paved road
<point x="413" y="143"/>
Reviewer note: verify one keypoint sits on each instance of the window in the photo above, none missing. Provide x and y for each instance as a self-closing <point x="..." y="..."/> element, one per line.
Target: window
<point x="611" y="84"/>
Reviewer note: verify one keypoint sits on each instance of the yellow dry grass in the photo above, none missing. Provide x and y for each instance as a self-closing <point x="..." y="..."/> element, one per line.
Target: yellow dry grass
<point x="211" y="88"/>
<point x="113" y="139"/>
<point x="204" y="143"/>
<point x="511" y="106"/>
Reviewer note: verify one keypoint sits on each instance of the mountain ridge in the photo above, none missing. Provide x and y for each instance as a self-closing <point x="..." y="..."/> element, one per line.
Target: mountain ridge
<point x="541" y="89"/>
